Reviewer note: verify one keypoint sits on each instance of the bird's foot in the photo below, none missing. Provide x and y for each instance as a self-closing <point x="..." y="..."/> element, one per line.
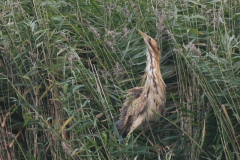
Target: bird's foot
<point x="143" y="133"/>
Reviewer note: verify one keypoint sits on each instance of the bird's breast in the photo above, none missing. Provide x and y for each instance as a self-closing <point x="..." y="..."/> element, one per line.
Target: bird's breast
<point x="155" y="94"/>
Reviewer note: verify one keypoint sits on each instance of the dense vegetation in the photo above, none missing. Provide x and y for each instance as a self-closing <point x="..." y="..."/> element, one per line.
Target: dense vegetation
<point x="66" y="66"/>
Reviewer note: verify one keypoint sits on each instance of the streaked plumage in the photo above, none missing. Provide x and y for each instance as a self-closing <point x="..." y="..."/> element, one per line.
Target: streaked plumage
<point x="137" y="111"/>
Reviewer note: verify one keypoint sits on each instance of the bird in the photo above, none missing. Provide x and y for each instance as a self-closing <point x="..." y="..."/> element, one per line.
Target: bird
<point x="142" y="103"/>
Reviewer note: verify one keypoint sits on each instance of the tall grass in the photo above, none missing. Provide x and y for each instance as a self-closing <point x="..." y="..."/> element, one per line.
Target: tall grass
<point x="66" y="66"/>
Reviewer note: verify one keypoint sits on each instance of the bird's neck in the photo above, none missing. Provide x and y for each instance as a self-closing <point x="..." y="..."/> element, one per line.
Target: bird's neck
<point x="154" y="81"/>
<point x="153" y="67"/>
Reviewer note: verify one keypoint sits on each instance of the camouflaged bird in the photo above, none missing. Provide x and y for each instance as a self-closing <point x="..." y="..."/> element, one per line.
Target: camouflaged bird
<point x="141" y="102"/>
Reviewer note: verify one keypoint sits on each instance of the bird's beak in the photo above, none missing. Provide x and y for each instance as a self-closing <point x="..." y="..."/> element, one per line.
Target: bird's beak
<point x="143" y="34"/>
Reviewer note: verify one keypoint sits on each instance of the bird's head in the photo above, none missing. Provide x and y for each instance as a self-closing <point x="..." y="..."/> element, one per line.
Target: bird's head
<point x="151" y="44"/>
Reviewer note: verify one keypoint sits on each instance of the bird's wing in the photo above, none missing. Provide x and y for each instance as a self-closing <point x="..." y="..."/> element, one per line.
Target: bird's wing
<point x="134" y="105"/>
<point x="137" y="107"/>
<point x="131" y="95"/>
<point x="134" y="109"/>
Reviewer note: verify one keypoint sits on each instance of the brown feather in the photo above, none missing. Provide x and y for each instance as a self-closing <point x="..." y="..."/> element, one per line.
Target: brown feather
<point x="137" y="110"/>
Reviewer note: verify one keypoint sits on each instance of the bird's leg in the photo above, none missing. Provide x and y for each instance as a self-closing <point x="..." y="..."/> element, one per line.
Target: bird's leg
<point x="135" y="125"/>
<point x="127" y="138"/>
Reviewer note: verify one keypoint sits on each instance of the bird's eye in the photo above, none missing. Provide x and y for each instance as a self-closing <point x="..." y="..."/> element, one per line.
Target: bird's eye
<point x="149" y="39"/>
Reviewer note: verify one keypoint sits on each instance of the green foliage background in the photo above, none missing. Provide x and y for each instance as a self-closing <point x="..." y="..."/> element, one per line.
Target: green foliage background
<point x="66" y="65"/>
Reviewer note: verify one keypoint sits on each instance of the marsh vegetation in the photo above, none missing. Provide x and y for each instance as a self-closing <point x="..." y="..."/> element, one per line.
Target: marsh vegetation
<point x="66" y="66"/>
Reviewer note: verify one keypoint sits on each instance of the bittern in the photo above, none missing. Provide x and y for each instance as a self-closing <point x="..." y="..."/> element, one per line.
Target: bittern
<point x="141" y="102"/>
